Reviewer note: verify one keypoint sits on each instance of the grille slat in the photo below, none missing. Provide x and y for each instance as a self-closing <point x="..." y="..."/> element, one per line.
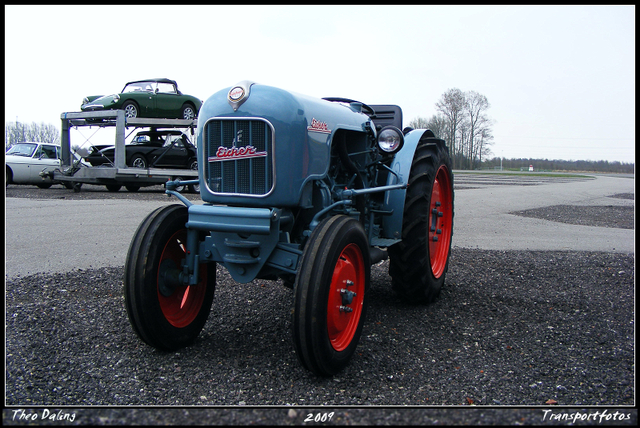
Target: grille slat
<point x="239" y="156"/>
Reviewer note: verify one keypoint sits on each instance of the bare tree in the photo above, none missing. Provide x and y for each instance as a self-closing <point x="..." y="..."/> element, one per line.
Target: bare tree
<point x="475" y="108"/>
<point x="438" y="125"/>
<point x="419" y="123"/>
<point x="484" y="142"/>
<point x="19" y="132"/>
<point x="452" y="105"/>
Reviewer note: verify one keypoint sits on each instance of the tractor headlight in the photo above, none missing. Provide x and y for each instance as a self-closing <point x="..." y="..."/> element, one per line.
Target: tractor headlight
<point x="390" y="139"/>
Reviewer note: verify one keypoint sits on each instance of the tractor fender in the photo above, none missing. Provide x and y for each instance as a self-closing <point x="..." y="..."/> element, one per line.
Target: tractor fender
<point x="401" y="166"/>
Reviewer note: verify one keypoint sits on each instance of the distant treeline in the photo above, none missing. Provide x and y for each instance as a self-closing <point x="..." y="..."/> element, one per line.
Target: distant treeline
<point x="560" y="165"/>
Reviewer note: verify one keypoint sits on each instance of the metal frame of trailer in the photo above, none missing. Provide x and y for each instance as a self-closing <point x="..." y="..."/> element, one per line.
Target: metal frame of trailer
<point x="119" y="173"/>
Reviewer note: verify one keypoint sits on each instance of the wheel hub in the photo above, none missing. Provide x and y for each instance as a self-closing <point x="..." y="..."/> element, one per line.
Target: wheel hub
<point x="344" y="307"/>
<point x="168" y="277"/>
<point x="440" y="219"/>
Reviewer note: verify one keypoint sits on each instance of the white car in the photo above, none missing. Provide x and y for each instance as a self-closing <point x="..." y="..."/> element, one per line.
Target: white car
<point x="25" y="161"/>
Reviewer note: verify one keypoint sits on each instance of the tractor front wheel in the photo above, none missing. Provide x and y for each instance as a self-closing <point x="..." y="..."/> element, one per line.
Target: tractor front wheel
<point x="331" y="295"/>
<point x="164" y="312"/>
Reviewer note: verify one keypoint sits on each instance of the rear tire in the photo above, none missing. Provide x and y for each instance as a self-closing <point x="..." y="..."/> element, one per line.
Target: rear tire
<point x="331" y="295"/>
<point x="164" y="317"/>
<point x="419" y="262"/>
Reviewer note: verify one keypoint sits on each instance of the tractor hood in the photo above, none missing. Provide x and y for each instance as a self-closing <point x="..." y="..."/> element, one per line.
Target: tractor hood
<point x="296" y="149"/>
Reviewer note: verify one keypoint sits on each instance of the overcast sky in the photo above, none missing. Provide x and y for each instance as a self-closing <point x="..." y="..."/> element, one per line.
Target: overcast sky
<point x="560" y="79"/>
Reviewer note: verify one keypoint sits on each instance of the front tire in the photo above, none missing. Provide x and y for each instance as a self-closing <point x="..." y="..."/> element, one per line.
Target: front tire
<point x="419" y="262"/>
<point x="331" y="295"/>
<point x="164" y="316"/>
<point x="130" y="109"/>
<point x="188" y="112"/>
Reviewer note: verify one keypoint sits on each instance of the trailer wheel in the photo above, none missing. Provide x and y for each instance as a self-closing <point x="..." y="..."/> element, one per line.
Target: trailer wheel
<point x="193" y="165"/>
<point x="130" y="109"/>
<point x="164" y="313"/>
<point x="331" y="295"/>
<point x="180" y="188"/>
<point x="419" y="262"/>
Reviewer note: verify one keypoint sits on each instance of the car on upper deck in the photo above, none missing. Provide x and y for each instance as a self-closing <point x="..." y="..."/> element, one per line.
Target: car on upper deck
<point x="150" y="98"/>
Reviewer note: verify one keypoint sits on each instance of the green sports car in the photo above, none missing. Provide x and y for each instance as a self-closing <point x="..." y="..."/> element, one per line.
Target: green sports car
<point x="147" y="98"/>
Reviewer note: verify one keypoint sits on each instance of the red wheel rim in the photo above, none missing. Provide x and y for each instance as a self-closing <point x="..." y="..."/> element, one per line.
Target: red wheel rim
<point x="440" y="222"/>
<point x="346" y="295"/>
<point x="183" y="305"/>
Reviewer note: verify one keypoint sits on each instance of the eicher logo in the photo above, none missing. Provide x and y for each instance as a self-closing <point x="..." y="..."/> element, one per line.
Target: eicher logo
<point x="318" y="126"/>
<point x="235" y="153"/>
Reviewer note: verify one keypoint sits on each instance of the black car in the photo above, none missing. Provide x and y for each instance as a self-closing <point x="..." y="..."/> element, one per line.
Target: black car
<point x="151" y="149"/>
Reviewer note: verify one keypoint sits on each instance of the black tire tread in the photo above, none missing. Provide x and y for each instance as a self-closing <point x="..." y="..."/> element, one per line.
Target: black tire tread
<point x="309" y="346"/>
<point x="409" y="263"/>
<point x="147" y="319"/>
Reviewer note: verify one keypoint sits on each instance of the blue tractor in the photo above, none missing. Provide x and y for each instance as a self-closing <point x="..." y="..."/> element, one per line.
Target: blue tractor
<point x="309" y="191"/>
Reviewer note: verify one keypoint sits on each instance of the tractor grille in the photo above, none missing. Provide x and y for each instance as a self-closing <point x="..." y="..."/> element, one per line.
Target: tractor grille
<point x="238" y="156"/>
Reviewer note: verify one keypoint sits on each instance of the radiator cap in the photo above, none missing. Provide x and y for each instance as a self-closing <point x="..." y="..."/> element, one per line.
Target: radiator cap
<point x="239" y="93"/>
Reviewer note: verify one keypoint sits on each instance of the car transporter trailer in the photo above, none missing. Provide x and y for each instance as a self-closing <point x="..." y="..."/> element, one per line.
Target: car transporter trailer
<point x="73" y="173"/>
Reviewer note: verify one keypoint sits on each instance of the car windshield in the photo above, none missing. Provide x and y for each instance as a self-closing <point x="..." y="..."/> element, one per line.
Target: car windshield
<point x="147" y="139"/>
<point x="139" y="87"/>
<point x="22" y="150"/>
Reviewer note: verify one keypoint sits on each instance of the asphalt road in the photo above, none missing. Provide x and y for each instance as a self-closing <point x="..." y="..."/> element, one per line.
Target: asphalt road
<point x="57" y="230"/>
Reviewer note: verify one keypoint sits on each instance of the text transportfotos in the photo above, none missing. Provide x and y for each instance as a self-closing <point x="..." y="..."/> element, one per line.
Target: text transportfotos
<point x="597" y="416"/>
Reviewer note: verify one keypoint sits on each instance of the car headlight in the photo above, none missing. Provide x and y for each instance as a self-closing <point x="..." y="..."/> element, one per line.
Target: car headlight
<point x="116" y="98"/>
<point x="390" y="139"/>
<point x="85" y="100"/>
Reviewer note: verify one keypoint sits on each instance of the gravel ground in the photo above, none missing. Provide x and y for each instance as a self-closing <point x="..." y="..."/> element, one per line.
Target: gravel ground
<point x="510" y="328"/>
<point x="551" y="333"/>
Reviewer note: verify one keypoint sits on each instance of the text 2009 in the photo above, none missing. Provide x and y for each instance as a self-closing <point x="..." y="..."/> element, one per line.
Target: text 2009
<point x="319" y="417"/>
